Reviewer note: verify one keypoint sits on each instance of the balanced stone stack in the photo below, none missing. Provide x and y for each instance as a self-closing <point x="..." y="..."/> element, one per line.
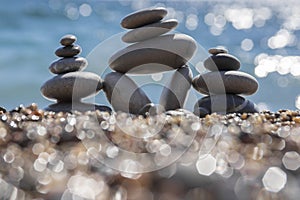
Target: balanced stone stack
<point x="224" y="83"/>
<point x="71" y="84"/>
<point x="153" y="51"/>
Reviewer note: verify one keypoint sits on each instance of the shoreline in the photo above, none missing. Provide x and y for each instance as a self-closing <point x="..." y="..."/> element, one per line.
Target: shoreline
<point x="45" y="154"/>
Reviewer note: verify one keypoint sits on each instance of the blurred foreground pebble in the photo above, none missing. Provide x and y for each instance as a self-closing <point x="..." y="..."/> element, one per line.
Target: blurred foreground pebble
<point x="47" y="155"/>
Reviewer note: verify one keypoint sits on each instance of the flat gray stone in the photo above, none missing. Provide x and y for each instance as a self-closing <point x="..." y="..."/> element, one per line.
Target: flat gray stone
<point x="222" y="62"/>
<point x="72" y="86"/>
<point x="68" y="40"/>
<point x="217" y="50"/>
<point x="123" y="94"/>
<point x="149" y="31"/>
<point x="174" y="94"/>
<point x="68" y="51"/>
<point x="76" y="106"/>
<point x="230" y="82"/>
<point x="66" y="65"/>
<point x="225" y="103"/>
<point x="159" y="54"/>
<point x="143" y="17"/>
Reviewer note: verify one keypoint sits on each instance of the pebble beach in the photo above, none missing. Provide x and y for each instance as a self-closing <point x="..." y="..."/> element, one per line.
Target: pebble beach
<point x="47" y="155"/>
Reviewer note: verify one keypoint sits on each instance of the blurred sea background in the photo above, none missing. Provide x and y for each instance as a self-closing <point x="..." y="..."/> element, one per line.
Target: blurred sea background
<point x="264" y="35"/>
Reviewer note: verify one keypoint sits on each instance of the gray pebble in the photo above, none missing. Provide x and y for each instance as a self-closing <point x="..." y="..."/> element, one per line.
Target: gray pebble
<point x="72" y="86"/>
<point x="222" y="62"/>
<point x="174" y="94"/>
<point x="226" y="103"/>
<point x="66" y="65"/>
<point x="3" y="110"/>
<point x="179" y="112"/>
<point x="68" y="51"/>
<point x="149" y="31"/>
<point x="68" y="40"/>
<point x="151" y="109"/>
<point x="123" y="94"/>
<point x="217" y="50"/>
<point x="76" y="106"/>
<point x="230" y="82"/>
<point x="143" y="17"/>
<point x="159" y="54"/>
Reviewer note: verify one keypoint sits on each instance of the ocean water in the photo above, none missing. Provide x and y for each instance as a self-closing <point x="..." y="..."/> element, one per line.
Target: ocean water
<point x="264" y="35"/>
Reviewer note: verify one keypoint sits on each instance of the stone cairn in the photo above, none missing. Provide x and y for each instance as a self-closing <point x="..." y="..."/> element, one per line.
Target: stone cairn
<point x="224" y="83"/>
<point x="71" y="84"/>
<point x="153" y="51"/>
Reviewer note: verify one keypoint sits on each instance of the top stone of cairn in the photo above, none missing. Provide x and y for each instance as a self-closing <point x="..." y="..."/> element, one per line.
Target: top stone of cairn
<point x="217" y="50"/>
<point x="68" y="40"/>
<point x="143" y="17"/>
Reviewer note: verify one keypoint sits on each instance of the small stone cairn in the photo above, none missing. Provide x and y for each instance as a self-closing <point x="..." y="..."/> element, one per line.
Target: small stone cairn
<point x="224" y="83"/>
<point x="71" y="84"/>
<point x="152" y="51"/>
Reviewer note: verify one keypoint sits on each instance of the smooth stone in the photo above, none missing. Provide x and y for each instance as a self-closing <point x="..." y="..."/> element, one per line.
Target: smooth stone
<point x="225" y="103"/>
<point x="179" y="112"/>
<point x="68" y="51"/>
<point x="151" y="109"/>
<point x="217" y="50"/>
<point x="77" y="106"/>
<point x="222" y="62"/>
<point x="66" y="65"/>
<point x="72" y="86"/>
<point x="123" y="93"/>
<point x="159" y="54"/>
<point x="68" y="40"/>
<point x="143" y="17"/>
<point x="174" y="94"/>
<point x="230" y="82"/>
<point x="149" y="31"/>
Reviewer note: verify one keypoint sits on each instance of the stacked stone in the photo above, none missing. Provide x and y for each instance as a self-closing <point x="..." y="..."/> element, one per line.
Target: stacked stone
<point x="224" y="83"/>
<point x="153" y="51"/>
<point x="71" y="84"/>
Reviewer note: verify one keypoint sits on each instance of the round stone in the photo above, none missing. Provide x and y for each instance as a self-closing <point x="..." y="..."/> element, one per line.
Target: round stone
<point x="76" y="106"/>
<point x="175" y="92"/>
<point x="230" y="82"/>
<point x="159" y="54"/>
<point x="123" y="94"/>
<point x="149" y="31"/>
<point x="66" y="65"/>
<point x="222" y="62"/>
<point x="68" y="40"/>
<point x="224" y="103"/>
<point x="68" y="51"/>
<point x="217" y="50"/>
<point x="72" y="86"/>
<point x="143" y="17"/>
